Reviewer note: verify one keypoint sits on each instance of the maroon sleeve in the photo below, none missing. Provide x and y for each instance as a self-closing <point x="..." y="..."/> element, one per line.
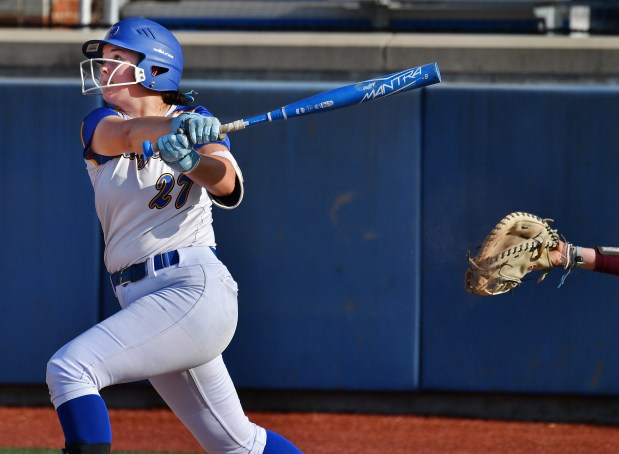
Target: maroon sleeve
<point x="606" y="263"/>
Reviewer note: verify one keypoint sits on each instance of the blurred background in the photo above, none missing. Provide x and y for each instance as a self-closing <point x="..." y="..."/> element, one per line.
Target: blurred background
<point x="350" y="246"/>
<point x="468" y="16"/>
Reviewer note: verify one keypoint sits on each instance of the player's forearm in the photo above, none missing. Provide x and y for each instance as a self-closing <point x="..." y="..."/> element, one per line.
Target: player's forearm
<point x="569" y="256"/>
<point x="215" y="174"/>
<point x="115" y="135"/>
<point x="137" y="130"/>
<point x="600" y="259"/>
<point x="588" y="256"/>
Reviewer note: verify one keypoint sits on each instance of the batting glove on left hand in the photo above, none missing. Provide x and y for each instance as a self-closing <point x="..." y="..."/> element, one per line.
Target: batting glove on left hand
<point x="198" y="128"/>
<point x="176" y="151"/>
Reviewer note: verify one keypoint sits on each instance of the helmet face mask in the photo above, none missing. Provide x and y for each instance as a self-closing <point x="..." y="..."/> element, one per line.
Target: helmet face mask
<point x="91" y="75"/>
<point x="161" y="55"/>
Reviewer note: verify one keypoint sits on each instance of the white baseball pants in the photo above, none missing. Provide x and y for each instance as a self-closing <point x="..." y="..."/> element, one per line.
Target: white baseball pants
<point x="173" y="327"/>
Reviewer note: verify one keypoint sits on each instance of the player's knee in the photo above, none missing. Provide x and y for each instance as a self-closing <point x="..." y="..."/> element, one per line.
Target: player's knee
<point x="55" y="370"/>
<point x="68" y="378"/>
<point x="55" y="373"/>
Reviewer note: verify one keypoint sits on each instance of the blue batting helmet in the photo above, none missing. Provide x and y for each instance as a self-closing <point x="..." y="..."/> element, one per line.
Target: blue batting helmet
<point x="162" y="56"/>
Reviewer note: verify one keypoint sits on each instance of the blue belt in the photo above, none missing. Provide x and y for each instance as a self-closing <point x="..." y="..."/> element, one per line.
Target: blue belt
<point x="139" y="270"/>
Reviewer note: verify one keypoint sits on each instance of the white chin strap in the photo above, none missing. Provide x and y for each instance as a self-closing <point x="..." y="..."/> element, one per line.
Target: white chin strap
<point x="91" y="75"/>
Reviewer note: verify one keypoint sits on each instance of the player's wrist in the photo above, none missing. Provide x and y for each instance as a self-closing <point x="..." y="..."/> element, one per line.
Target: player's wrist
<point x="571" y="256"/>
<point x="190" y="162"/>
<point x="579" y="258"/>
<point x="187" y="163"/>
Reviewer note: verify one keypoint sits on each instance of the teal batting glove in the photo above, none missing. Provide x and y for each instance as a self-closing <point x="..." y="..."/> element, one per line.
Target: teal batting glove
<point x="177" y="152"/>
<point x="198" y="128"/>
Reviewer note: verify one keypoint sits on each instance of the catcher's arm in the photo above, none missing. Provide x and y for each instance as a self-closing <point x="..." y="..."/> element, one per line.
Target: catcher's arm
<point x="601" y="259"/>
<point x="567" y="255"/>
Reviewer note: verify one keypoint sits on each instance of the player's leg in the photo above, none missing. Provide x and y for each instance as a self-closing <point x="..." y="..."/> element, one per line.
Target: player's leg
<point x="86" y="425"/>
<point x="205" y="400"/>
<point x="183" y="318"/>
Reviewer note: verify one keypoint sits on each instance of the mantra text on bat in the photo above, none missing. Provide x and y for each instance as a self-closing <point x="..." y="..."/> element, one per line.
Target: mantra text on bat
<point x="392" y="84"/>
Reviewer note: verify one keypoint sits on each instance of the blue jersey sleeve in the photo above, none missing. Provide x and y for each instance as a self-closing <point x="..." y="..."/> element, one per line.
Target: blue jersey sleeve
<point x="89" y="124"/>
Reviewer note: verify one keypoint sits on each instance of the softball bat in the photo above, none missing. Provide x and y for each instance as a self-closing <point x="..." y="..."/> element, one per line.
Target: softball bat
<point x="349" y="95"/>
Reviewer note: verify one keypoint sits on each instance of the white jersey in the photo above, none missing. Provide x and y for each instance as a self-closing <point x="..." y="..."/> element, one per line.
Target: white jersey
<point x="145" y="207"/>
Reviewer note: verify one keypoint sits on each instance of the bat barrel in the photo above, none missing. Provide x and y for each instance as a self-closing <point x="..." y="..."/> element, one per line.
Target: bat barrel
<point x="349" y="95"/>
<point x="360" y="92"/>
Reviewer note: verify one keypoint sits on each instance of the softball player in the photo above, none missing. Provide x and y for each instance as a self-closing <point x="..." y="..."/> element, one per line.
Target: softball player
<point x="179" y="302"/>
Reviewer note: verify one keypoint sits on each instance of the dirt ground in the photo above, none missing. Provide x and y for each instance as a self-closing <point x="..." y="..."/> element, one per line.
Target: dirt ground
<point x="320" y="433"/>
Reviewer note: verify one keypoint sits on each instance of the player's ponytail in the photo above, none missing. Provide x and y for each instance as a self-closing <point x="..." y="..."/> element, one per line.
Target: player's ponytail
<point x="178" y="98"/>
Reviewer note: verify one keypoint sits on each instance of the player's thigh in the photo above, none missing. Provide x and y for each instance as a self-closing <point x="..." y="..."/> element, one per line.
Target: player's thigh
<point x="185" y="321"/>
<point x="180" y="320"/>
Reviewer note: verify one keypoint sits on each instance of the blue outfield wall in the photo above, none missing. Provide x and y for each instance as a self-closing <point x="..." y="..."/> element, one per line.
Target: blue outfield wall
<point x="350" y="246"/>
<point x="49" y="234"/>
<point x="490" y="150"/>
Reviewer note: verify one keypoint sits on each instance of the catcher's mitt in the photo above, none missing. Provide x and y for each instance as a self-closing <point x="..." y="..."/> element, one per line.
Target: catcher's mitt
<point x="519" y="244"/>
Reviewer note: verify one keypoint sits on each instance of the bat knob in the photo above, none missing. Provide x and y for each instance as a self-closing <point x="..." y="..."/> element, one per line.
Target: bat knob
<point x="148" y="150"/>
